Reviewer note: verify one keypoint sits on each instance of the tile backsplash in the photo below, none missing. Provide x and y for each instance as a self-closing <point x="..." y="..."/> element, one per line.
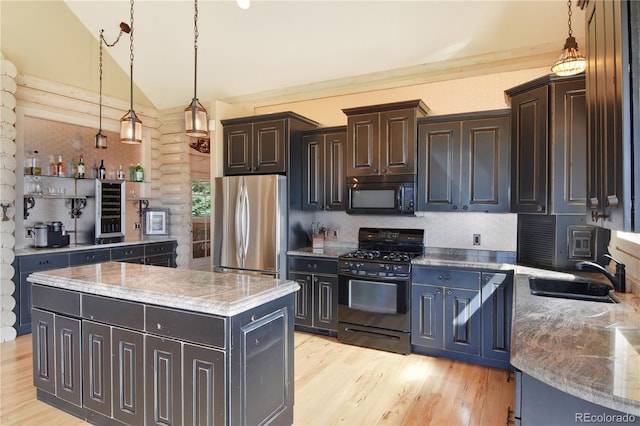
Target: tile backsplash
<point x="498" y="231"/>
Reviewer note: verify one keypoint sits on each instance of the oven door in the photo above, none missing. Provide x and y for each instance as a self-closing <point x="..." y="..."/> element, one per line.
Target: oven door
<point x="374" y="301"/>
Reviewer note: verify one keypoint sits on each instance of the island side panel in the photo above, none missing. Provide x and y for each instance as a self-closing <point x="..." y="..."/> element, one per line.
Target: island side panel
<point x="262" y="380"/>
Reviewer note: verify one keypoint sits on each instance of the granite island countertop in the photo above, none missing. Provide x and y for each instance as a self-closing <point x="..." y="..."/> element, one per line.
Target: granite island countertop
<point x="218" y="293"/>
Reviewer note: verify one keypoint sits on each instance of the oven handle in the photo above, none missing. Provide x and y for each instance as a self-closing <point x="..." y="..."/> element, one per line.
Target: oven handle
<point x="372" y="278"/>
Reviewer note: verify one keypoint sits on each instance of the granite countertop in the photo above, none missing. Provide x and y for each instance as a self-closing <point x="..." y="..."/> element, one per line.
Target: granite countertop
<point x="326" y="251"/>
<point x="217" y="293"/>
<point x="588" y="349"/>
<point x="78" y="247"/>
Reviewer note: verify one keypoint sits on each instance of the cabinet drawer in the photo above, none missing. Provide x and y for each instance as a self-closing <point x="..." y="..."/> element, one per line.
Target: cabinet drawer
<point x="123" y="253"/>
<point x="112" y="311"/>
<point x="89" y="256"/>
<point x="56" y="299"/>
<point x="158" y="248"/>
<point x="312" y="264"/>
<point x="447" y="277"/>
<point x="40" y="263"/>
<point x="189" y="326"/>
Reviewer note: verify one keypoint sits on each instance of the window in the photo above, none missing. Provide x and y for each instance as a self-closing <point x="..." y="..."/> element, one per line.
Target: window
<point x="201" y="224"/>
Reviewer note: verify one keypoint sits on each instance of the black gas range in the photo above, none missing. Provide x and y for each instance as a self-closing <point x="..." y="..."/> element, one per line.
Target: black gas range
<point x="374" y="289"/>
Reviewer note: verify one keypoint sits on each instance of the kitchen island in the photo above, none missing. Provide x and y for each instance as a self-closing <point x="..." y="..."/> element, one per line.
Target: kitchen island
<point x="139" y="344"/>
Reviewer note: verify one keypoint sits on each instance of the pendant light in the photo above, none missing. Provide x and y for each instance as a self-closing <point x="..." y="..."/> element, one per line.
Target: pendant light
<point x="195" y="115"/>
<point x="101" y="138"/>
<point x="130" y="124"/>
<point x="570" y="61"/>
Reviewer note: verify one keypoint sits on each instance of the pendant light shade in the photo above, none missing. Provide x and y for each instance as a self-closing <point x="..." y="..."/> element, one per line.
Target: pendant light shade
<point x="570" y="61"/>
<point x="195" y="115"/>
<point x="130" y="128"/>
<point x="195" y="119"/>
<point x="130" y="124"/>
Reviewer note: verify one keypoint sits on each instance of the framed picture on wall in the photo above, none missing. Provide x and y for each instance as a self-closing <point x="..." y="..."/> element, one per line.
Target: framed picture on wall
<point x="156" y="221"/>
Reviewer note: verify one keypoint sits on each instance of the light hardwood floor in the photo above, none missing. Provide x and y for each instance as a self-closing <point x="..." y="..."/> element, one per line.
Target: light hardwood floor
<point x="334" y="384"/>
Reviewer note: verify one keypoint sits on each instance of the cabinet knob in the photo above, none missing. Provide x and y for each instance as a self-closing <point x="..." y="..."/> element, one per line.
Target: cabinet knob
<point x="375" y="170"/>
<point x="327" y="207"/>
<point x="454" y="207"/>
<point x="383" y="171"/>
<point x="465" y="207"/>
<point x="249" y="168"/>
<point x="312" y="265"/>
<point x="449" y="292"/>
<point x="540" y="208"/>
<point x="444" y="277"/>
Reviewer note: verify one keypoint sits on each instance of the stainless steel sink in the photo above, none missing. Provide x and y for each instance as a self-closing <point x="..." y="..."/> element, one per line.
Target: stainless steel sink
<point x="572" y="289"/>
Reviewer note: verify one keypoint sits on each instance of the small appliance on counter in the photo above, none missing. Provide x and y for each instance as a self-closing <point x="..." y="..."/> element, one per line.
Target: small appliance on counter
<point x="51" y="234"/>
<point x="56" y="235"/>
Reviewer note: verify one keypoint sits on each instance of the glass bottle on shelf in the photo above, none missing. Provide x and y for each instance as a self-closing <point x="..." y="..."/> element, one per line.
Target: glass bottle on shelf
<point x="120" y="173"/>
<point x="81" y="168"/>
<point x="102" y="173"/>
<point x="28" y="163"/>
<point x="36" y="164"/>
<point x="139" y="173"/>
<point x="61" y="168"/>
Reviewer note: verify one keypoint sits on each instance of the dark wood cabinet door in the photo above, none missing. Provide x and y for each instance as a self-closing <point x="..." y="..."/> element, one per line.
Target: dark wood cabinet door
<point x="439" y="159"/>
<point x="497" y="300"/>
<point x="462" y="320"/>
<point x="325" y="289"/>
<point x="609" y="24"/>
<point x="569" y="150"/>
<point x="43" y="334"/>
<point x="484" y="172"/>
<point x="96" y="354"/>
<point x="363" y="144"/>
<point x="127" y="352"/>
<point x="334" y="167"/>
<point x="529" y="129"/>
<point x="313" y="167"/>
<point x="238" y="155"/>
<point x="303" y="307"/>
<point x="163" y="381"/>
<point x="68" y="359"/>
<point x="397" y="142"/>
<point x="269" y="147"/>
<point x="427" y="316"/>
<point x="203" y="377"/>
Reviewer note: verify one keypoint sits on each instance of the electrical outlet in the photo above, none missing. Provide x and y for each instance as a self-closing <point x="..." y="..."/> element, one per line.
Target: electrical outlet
<point x="137" y="225"/>
<point x="476" y="239"/>
<point x="28" y="233"/>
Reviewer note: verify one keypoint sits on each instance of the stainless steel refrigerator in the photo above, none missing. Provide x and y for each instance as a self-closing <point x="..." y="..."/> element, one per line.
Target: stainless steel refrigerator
<point x="249" y="224"/>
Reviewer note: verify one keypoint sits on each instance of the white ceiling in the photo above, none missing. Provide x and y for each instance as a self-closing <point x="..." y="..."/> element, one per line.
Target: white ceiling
<point x="286" y="46"/>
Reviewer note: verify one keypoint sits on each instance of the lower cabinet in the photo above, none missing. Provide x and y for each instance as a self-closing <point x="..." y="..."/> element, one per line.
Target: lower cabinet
<point x="462" y="314"/>
<point x="539" y="404"/>
<point x="108" y="361"/>
<point x="316" y="304"/>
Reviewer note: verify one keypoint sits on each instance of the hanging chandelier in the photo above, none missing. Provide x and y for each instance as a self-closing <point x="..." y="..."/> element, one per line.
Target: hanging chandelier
<point x="570" y="61"/>
<point x="195" y="115"/>
<point x="130" y="124"/>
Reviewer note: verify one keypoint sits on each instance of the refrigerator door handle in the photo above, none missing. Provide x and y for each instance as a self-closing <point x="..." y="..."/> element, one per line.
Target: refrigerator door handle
<point x="246" y="223"/>
<point x="238" y="223"/>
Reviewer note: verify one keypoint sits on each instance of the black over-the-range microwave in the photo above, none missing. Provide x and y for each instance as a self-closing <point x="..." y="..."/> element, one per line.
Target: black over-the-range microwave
<point x="389" y="194"/>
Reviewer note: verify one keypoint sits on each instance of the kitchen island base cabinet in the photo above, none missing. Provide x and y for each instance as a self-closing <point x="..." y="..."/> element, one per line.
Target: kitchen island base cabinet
<point x="168" y="366"/>
<point x="540" y="404"/>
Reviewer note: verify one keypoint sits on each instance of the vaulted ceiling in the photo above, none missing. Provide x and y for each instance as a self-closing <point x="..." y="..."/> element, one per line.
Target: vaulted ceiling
<point x="284" y="48"/>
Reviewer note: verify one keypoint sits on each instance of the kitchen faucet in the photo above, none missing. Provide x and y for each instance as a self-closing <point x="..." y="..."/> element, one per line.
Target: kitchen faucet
<point x="618" y="280"/>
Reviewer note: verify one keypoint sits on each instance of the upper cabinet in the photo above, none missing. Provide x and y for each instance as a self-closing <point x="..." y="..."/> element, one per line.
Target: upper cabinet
<point x="548" y="159"/>
<point x="381" y="139"/>
<point x="323" y="166"/>
<point x="260" y="144"/>
<point x="613" y="91"/>
<point x="463" y="162"/>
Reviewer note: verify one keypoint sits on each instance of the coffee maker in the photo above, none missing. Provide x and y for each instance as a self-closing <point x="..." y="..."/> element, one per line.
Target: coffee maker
<point x="56" y="236"/>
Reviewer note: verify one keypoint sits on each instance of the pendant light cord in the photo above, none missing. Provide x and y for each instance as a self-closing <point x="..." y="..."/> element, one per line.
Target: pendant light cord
<point x="195" y="49"/>
<point x="131" y="55"/>
<point x="569" y="6"/>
